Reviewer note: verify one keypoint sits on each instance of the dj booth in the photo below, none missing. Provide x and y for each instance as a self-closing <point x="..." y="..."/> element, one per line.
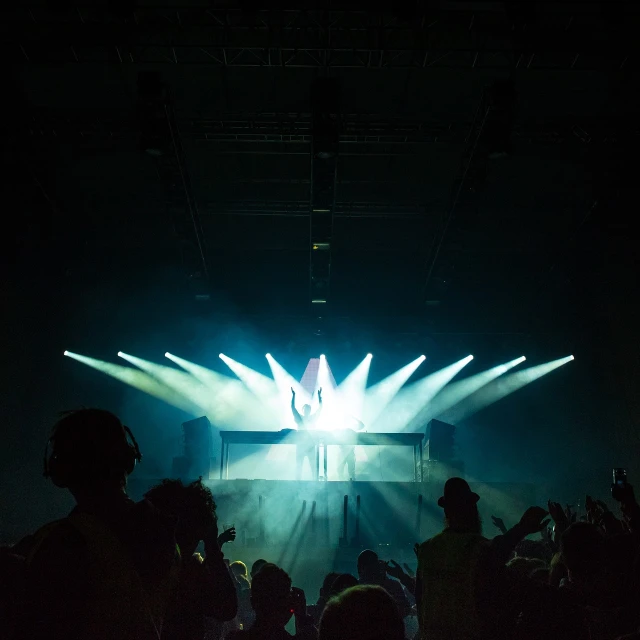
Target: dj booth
<point x="320" y="441"/>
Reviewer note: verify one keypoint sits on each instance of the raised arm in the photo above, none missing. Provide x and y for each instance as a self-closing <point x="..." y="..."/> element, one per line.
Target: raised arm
<point x="296" y="416"/>
<point x="319" y="401"/>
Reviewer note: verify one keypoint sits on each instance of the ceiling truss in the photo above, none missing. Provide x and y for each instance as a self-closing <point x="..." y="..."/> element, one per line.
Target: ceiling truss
<point x="567" y="36"/>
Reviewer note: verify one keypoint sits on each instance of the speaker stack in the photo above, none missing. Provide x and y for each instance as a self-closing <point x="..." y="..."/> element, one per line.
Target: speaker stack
<point x="197" y="458"/>
<point x="440" y="457"/>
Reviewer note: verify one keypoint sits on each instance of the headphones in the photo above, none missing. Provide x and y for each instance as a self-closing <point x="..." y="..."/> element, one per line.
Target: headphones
<point x="63" y="467"/>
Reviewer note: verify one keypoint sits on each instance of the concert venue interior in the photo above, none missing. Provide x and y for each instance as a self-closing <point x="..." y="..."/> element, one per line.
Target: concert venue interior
<point x="421" y="212"/>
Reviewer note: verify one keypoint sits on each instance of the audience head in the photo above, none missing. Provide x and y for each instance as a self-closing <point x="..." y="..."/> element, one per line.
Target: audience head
<point x="369" y="567"/>
<point x="239" y="569"/>
<point x="343" y="582"/>
<point x="582" y="548"/>
<point x="271" y="595"/>
<point x="534" y="549"/>
<point x="91" y="451"/>
<point x="256" y="566"/>
<point x="525" y="566"/>
<point x="362" y="613"/>
<point x="194" y="507"/>
<point x="460" y="506"/>
<point x="306" y="410"/>
<point x="327" y="583"/>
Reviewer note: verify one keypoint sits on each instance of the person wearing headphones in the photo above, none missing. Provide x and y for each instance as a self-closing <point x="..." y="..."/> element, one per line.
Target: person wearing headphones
<point x="109" y="569"/>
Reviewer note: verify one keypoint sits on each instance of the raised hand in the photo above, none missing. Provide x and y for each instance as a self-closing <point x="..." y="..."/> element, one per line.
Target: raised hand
<point x="499" y="524"/>
<point x="533" y="521"/>
<point x="395" y="570"/>
<point x="227" y="536"/>
<point x="298" y="602"/>
<point x="293" y="393"/>
<point x="557" y="514"/>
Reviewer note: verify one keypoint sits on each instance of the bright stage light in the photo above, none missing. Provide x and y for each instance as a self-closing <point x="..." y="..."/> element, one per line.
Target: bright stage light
<point x="221" y="355"/>
<point x="456" y="392"/>
<point x="503" y="386"/>
<point x="322" y="356"/>
<point x="284" y="381"/>
<point x="267" y="355"/>
<point x="571" y="358"/>
<point x="351" y="392"/>
<point x="120" y="354"/>
<point x="176" y="379"/>
<point x="139" y="380"/>
<point x="413" y="399"/>
<point x="167" y="354"/>
<point x="229" y="401"/>
<point x="422" y="358"/>
<point x="369" y="355"/>
<point x="66" y="353"/>
<point x="380" y="395"/>
<point x="260" y="385"/>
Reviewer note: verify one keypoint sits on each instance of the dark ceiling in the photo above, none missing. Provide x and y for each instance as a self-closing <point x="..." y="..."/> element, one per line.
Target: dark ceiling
<point x="423" y="222"/>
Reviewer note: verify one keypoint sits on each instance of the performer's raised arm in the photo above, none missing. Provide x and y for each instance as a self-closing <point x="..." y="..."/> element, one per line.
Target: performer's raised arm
<point x="296" y="416"/>
<point x="319" y="401"/>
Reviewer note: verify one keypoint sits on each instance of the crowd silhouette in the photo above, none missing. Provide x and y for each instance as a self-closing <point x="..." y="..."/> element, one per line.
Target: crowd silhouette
<point x="118" y="569"/>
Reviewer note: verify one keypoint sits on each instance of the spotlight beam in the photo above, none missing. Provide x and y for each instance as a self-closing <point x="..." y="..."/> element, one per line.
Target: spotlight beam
<point x="410" y="401"/>
<point x="283" y="379"/>
<point x="212" y="379"/>
<point x="456" y="392"/>
<point x="284" y="383"/>
<point x="501" y="387"/>
<point x="351" y="391"/>
<point x="380" y="395"/>
<point x="333" y="414"/>
<point x="229" y="402"/>
<point x="139" y="380"/>
<point x="179" y="380"/>
<point x="260" y="385"/>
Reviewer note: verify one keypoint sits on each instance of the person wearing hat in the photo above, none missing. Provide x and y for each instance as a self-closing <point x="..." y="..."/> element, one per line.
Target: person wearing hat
<point x="449" y="575"/>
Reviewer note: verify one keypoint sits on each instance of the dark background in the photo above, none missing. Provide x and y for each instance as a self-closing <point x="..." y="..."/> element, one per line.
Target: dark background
<point x="437" y="247"/>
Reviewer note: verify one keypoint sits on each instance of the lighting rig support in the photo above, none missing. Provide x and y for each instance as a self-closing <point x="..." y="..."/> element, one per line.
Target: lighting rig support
<point x="160" y="139"/>
<point x="324" y="165"/>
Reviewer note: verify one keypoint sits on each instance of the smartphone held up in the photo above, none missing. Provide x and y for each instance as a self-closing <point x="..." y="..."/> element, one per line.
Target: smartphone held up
<point x="619" y="487"/>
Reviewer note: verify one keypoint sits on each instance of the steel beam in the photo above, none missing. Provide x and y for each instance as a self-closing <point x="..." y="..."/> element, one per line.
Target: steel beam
<point x="568" y="36"/>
